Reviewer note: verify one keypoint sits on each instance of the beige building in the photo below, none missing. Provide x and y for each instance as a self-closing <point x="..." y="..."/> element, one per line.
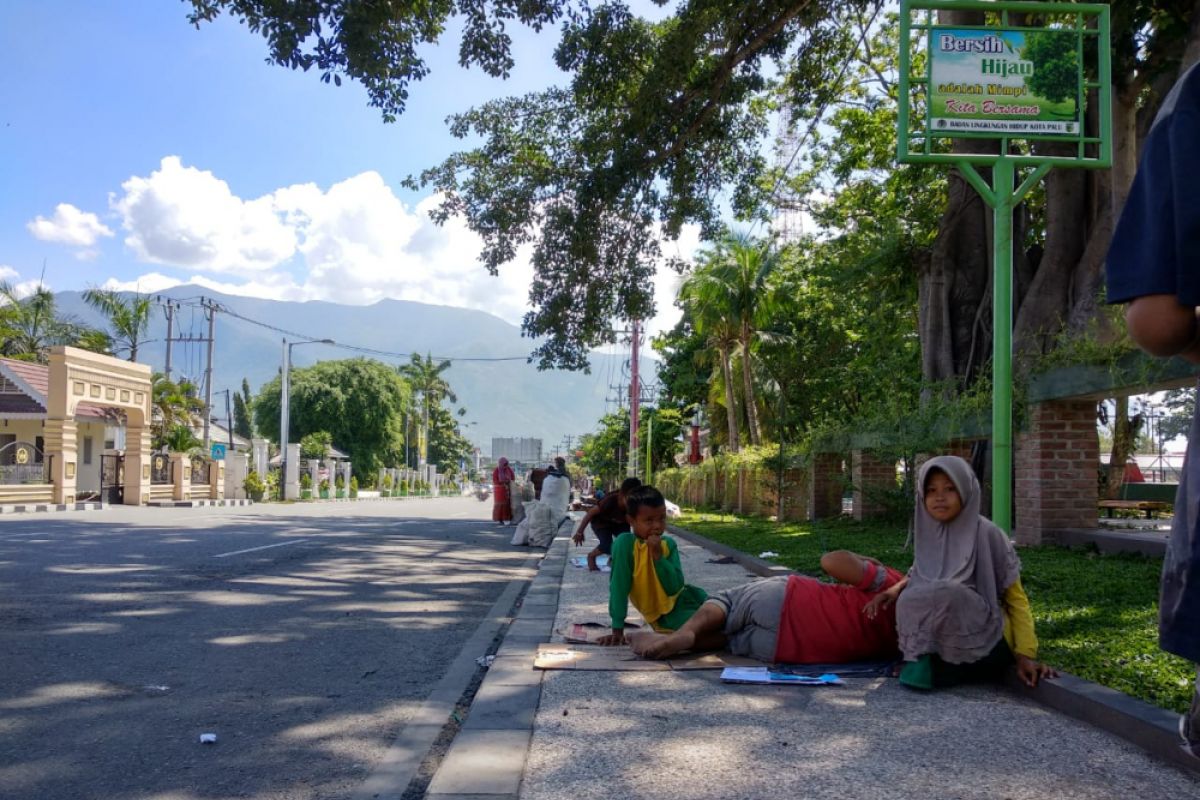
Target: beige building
<point x="76" y="429"/>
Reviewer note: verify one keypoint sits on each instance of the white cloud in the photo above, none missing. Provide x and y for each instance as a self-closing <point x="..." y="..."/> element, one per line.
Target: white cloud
<point x="667" y="281"/>
<point x="70" y="226"/>
<point x="185" y="217"/>
<point x="355" y="242"/>
<point x="20" y="288"/>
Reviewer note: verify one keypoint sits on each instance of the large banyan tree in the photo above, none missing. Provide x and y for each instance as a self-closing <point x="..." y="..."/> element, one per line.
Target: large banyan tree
<point x="657" y="124"/>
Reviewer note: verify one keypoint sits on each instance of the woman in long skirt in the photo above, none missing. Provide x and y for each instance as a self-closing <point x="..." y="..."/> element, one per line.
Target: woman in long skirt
<point x="502" y="478"/>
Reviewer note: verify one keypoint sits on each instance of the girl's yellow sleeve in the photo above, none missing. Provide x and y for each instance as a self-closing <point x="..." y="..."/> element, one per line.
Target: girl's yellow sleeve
<point x="1018" y="622"/>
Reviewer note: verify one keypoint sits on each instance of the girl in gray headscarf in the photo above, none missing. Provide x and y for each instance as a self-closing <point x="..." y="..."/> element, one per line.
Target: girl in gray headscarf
<point x="962" y="614"/>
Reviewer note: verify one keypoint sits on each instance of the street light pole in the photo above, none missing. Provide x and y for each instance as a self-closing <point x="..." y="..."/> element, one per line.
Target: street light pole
<point x="284" y="410"/>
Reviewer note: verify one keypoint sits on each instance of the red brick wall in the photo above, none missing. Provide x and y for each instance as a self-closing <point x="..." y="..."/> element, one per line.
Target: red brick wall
<point x="1054" y="467"/>
<point x="825" y="497"/>
<point x="869" y="476"/>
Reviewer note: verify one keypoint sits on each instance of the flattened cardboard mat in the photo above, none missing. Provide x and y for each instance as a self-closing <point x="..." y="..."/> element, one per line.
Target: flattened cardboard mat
<point x="622" y="659"/>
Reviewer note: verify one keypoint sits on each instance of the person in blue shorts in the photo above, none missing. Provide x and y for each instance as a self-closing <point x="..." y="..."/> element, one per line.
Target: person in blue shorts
<point x="1154" y="267"/>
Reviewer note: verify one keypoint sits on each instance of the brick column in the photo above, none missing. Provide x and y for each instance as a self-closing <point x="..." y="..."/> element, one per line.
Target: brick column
<point x="796" y="495"/>
<point x="825" y="488"/>
<point x="870" y="476"/>
<point x="1054" y="466"/>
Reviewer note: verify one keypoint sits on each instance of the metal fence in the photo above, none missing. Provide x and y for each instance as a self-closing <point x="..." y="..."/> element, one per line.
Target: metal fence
<point x="22" y="462"/>
<point x="200" y="471"/>
<point x="160" y="469"/>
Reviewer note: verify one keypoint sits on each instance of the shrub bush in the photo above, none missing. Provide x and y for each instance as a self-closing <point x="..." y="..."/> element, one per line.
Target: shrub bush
<point x="254" y="486"/>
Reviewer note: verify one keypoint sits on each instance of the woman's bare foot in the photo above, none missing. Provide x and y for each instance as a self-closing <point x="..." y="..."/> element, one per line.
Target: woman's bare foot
<point x="653" y="645"/>
<point x="592" y="566"/>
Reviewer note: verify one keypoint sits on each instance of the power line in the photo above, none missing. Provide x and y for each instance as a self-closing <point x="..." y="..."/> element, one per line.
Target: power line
<point x="354" y="348"/>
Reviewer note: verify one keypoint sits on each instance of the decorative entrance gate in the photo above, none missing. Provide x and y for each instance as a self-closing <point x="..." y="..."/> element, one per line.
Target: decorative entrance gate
<point x="112" y="479"/>
<point x="22" y="462"/>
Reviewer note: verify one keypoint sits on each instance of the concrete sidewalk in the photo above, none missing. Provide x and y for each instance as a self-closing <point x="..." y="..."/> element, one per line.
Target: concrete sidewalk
<point x="574" y="735"/>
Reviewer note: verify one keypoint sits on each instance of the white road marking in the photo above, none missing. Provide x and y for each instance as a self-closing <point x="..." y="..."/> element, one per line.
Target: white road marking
<point x="264" y="547"/>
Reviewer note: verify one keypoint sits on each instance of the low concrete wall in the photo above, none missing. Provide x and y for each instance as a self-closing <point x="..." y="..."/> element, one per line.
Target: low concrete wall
<point x="26" y="493"/>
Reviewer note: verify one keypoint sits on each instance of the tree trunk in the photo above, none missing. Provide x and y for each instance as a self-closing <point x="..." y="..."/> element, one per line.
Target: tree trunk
<point x="954" y="287"/>
<point x="748" y="385"/>
<point x="1125" y="430"/>
<point x="730" y="403"/>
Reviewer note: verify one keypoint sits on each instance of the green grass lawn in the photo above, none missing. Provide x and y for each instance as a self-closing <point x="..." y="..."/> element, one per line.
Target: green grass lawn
<point x="1096" y="615"/>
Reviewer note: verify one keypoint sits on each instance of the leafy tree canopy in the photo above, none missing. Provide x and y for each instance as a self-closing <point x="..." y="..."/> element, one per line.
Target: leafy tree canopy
<point x="655" y="123"/>
<point x="605" y="452"/>
<point x="359" y="401"/>
<point x="448" y="448"/>
<point x="316" y="444"/>
<point x="376" y="43"/>
<point x="243" y="422"/>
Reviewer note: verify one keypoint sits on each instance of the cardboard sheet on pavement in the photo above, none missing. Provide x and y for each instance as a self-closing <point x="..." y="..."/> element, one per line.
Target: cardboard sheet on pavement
<point x="621" y="659"/>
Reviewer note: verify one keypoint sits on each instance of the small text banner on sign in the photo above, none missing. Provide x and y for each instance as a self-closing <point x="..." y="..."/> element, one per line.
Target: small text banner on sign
<point x="1004" y="81"/>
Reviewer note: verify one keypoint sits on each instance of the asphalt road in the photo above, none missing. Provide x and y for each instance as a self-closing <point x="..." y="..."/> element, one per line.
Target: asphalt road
<point x="303" y="636"/>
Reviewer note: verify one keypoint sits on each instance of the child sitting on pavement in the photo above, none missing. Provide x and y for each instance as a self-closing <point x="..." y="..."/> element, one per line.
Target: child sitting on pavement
<point x="793" y="619"/>
<point x="962" y="614"/>
<point x="608" y="521"/>
<point x="646" y="570"/>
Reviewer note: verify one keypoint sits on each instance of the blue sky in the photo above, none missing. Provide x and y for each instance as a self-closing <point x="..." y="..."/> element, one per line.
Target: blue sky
<point x="137" y="151"/>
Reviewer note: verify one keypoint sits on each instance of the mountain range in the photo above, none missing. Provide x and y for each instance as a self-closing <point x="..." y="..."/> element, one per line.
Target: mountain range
<point x="507" y="398"/>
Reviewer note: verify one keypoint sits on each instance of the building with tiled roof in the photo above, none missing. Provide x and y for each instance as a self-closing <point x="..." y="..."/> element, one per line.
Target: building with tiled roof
<point x="24" y="399"/>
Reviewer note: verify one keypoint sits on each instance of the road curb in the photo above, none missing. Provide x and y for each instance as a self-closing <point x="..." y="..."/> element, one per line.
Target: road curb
<point x="404" y="757"/>
<point x="1153" y="729"/>
<point x="487" y="757"/>
<point x="199" y="503"/>
<point x="41" y="508"/>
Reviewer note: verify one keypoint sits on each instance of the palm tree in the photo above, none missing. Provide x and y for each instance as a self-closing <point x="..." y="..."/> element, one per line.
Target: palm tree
<point x="30" y="325"/>
<point x="703" y="299"/>
<point x="426" y="379"/>
<point x="747" y="266"/>
<point x="728" y="296"/>
<point x="128" y="317"/>
<point x="173" y="405"/>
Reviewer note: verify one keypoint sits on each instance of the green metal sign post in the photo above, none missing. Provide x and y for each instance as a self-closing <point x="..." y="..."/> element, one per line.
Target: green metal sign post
<point x="1022" y="77"/>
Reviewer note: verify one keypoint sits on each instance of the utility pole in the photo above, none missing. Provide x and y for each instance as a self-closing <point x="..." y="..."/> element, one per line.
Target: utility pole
<point x="635" y="397"/>
<point x="229" y="420"/>
<point x="210" y="312"/>
<point x="170" y="334"/>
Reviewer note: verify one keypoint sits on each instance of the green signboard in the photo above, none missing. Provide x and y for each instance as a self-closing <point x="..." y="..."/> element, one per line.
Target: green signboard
<point x="1004" y="81"/>
<point x="1020" y="77"/>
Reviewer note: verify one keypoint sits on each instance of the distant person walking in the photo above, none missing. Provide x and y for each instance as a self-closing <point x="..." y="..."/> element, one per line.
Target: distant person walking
<point x="502" y="478"/>
<point x="1154" y="266"/>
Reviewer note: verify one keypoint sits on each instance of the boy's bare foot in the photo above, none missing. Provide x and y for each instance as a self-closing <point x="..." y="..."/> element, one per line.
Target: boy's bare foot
<point x="653" y="645"/>
<point x="592" y="566"/>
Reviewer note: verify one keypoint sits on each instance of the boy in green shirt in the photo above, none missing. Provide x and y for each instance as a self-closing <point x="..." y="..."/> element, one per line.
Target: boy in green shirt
<point x="646" y="570"/>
